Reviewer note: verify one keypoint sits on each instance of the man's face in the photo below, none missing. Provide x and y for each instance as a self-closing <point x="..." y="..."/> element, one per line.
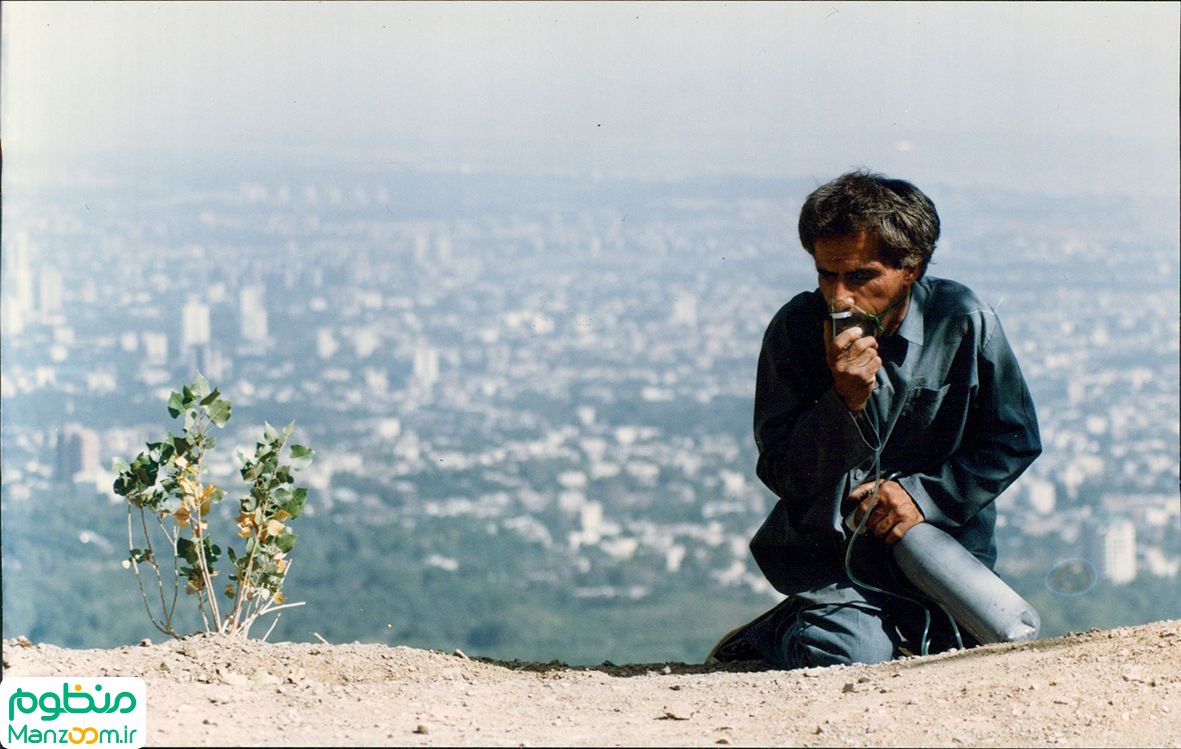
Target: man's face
<point x="850" y="268"/>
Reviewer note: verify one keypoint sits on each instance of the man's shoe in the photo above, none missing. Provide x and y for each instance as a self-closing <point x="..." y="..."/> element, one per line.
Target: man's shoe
<point x="734" y="647"/>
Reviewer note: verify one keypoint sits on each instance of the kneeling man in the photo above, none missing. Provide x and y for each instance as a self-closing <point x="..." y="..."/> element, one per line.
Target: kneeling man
<point x="915" y="384"/>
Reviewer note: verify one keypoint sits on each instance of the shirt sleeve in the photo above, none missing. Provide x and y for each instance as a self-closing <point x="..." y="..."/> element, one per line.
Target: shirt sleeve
<point x="807" y="439"/>
<point x="1000" y="440"/>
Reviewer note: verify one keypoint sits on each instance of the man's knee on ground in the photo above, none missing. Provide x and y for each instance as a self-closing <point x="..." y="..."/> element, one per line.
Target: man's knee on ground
<point x="840" y="634"/>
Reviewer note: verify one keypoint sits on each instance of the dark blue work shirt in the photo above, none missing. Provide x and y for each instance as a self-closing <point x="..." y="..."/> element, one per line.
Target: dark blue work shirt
<point x="951" y="407"/>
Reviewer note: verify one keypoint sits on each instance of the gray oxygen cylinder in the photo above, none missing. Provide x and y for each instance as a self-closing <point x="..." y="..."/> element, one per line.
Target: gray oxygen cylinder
<point x="979" y="601"/>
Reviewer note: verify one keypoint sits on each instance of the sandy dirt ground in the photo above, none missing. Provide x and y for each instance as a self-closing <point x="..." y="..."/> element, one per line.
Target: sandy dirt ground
<point x="1101" y="688"/>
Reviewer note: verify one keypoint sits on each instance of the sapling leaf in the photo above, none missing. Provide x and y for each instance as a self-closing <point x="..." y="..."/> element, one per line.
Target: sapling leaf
<point x="253" y="472"/>
<point x="294" y="506"/>
<point x="301" y="457"/>
<point x="219" y="412"/>
<point x="211" y="397"/>
<point x="285" y="541"/>
<point x="175" y="404"/>
<point x="200" y="385"/>
<point x="186" y="550"/>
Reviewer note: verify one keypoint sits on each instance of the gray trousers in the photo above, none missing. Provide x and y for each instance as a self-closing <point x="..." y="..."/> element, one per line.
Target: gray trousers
<point x="842" y="624"/>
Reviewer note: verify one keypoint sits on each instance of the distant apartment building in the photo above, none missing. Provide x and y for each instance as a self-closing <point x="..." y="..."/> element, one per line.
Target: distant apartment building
<point x="155" y="347"/>
<point x="50" y="291"/>
<point x="253" y="313"/>
<point x="194" y="324"/>
<point x="1112" y="548"/>
<point x="426" y="365"/>
<point x="18" y="288"/>
<point x="76" y="451"/>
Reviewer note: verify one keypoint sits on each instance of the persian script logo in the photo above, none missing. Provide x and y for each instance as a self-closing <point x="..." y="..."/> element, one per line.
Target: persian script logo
<point x="70" y="710"/>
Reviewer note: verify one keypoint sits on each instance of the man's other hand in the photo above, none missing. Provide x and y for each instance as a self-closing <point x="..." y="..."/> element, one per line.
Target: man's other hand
<point x="894" y="513"/>
<point x="854" y="362"/>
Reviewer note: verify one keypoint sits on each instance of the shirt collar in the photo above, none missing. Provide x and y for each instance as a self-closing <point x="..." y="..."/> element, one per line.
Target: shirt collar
<point x="912" y="325"/>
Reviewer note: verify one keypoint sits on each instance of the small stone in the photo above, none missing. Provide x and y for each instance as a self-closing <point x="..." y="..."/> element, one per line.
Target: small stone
<point x="234" y="679"/>
<point x="666" y="670"/>
<point x="460" y="654"/>
<point x="676" y="712"/>
<point x="722" y="740"/>
<point x="818" y="730"/>
<point x="24" y="642"/>
<point x="863" y="680"/>
<point x="849" y="687"/>
<point x="422" y="729"/>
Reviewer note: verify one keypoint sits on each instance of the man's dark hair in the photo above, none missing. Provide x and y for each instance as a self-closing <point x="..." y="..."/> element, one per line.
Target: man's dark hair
<point x="902" y="217"/>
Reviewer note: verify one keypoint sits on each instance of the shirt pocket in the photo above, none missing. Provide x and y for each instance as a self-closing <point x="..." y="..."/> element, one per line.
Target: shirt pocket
<point x="922" y="405"/>
<point x="924" y="428"/>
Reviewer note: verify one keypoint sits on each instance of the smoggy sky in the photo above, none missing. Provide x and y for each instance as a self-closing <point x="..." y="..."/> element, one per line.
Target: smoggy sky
<point x="1078" y="95"/>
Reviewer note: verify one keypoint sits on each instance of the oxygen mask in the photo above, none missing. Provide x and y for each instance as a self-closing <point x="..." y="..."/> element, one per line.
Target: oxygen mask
<point x="846" y="314"/>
